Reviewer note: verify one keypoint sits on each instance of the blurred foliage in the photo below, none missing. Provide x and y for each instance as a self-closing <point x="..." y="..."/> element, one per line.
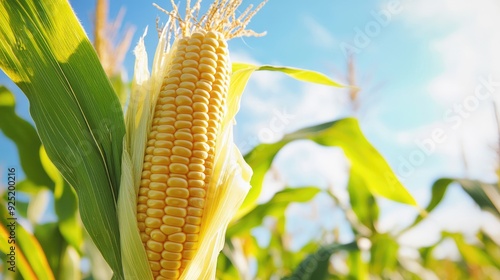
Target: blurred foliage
<point x="346" y="134"/>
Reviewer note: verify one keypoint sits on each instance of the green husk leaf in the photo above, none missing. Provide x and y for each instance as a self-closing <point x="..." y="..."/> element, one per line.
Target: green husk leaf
<point x="45" y="51"/>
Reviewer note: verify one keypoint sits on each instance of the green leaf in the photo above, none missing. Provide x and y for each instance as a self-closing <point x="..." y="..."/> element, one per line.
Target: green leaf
<point x="70" y="265"/>
<point x="298" y="74"/>
<point x="274" y="207"/>
<point x="22" y="208"/>
<point x="358" y="268"/>
<point x="24" y="136"/>
<point x="487" y="196"/>
<point x="45" y="51"/>
<point x="426" y="253"/>
<point x="53" y="244"/>
<point x="438" y="191"/>
<point x="473" y="255"/>
<point x="21" y="264"/>
<point x="34" y="253"/>
<point x="344" y="133"/>
<point x="63" y="259"/>
<point x="27" y="186"/>
<point x="225" y="269"/>
<point x="66" y="209"/>
<point x="315" y="266"/>
<point x="241" y="73"/>
<point x="65" y="204"/>
<point x="30" y="258"/>
<point x="363" y="203"/>
<point x="384" y="254"/>
<point x="491" y="248"/>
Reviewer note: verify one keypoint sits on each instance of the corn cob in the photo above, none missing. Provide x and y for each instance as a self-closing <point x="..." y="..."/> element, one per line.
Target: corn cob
<point x="177" y="177"/>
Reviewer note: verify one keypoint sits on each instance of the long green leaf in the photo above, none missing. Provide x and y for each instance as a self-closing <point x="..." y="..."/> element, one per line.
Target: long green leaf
<point x="344" y="133"/>
<point x="35" y="165"/>
<point x="487" y="196"/>
<point x="24" y="136"/>
<point x="315" y="266"/>
<point x="30" y="259"/>
<point x="358" y="268"/>
<point x="45" y="51"/>
<point x="65" y="204"/>
<point x="363" y="203"/>
<point x="53" y="244"/>
<point x="296" y="73"/>
<point x="491" y="248"/>
<point x="473" y="255"/>
<point x="241" y="73"/>
<point x="384" y="254"/>
<point x="19" y="264"/>
<point x="438" y="191"/>
<point x="276" y="206"/>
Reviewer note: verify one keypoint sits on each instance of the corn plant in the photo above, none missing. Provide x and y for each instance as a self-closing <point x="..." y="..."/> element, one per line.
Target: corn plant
<point x="158" y="185"/>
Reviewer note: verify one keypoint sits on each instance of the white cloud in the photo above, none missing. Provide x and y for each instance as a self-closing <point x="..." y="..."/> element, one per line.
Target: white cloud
<point x="320" y="104"/>
<point x="446" y="11"/>
<point x="319" y="34"/>
<point x="305" y="163"/>
<point x="474" y="138"/>
<point x="463" y="39"/>
<point x="465" y="44"/>
<point x="468" y="49"/>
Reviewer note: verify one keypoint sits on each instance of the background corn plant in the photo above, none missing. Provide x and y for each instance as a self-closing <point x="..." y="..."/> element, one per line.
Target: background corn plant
<point x="82" y="131"/>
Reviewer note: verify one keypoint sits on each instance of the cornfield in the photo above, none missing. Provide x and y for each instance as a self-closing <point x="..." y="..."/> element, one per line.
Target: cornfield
<point x="145" y="179"/>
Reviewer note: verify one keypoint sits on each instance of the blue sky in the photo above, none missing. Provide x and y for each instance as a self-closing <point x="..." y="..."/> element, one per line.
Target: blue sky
<point x="423" y="57"/>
